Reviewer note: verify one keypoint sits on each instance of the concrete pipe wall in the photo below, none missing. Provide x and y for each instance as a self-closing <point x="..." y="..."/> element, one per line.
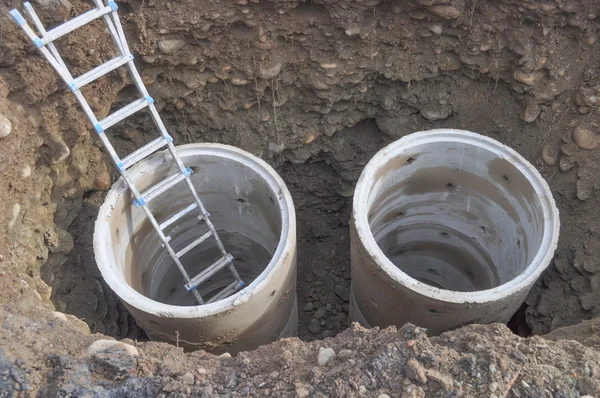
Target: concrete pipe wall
<point x="448" y="228"/>
<point x="253" y="213"/>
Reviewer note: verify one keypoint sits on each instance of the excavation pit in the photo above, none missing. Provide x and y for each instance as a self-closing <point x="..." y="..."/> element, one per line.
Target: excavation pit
<point x="253" y="213"/>
<point x="449" y="228"/>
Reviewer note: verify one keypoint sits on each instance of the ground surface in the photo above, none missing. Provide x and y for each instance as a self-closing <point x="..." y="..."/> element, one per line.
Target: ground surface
<point x="315" y="88"/>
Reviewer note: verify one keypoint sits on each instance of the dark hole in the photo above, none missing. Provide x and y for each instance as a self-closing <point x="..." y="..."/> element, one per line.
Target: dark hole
<point x="410" y="160"/>
<point x="505" y="177"/>
<point x="271" y="199"/>
<point x="518" y="323"/>
<point x="272" y="293"/>
<point x="482" y="228"/>
<point x="432" y="271"/>
<point x="399" y="214"/>
<point x="470" y="275"/>
<point x="519" y="243"/>
<point x="240" y="200"/>
<point x="444" y="234"/>
<point x="432" y="311"/>
<point x="449" y="185"/>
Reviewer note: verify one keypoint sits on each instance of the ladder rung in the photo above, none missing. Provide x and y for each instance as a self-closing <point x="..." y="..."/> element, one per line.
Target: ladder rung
<point x="122" y="113"/>
<point x="75" y="23"/>
<point x="178" y="215"/>
<point x="144" y="152"/>
<point x="100" y="71"/>
<point x="195" y="243"/>
<point x="229" y="290"/>
<point x="210" y="271"/>
<point x="161" y="187"/>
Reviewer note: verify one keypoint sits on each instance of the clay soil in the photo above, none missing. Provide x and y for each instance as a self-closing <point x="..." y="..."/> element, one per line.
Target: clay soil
<point x="315" y="88"/>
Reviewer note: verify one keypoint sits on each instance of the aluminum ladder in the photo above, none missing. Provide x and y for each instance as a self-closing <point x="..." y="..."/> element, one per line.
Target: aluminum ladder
<point x="108" y="12"/>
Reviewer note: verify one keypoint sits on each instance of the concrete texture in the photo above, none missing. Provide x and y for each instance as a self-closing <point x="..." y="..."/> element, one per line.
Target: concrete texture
<point x="448" y="228"/>
<point x="250" y="205"/>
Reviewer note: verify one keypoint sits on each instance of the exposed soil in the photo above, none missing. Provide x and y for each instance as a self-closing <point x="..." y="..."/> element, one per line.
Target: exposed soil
<point x="315" y="88"/>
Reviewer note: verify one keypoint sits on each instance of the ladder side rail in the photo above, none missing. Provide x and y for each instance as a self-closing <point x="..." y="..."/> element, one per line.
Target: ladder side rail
<point x="119" y="28"/>
<point x="165" y="242"/>
<point x="63" y="74"/>
<point x="211" y="227"/>
<point x="111" y="28"/>
<point x="40" y="27"/>
<point x="137" y="79"/>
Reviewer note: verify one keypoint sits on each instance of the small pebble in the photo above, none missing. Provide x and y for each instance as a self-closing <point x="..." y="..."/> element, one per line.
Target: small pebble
<point x="5" y="126"/>
<point x="328" y="333"/>
<point x="345" y="353"/>
<point x="435" y="114"/>
<point x="584" y="190"/>
<point x="236" y="81"/>
<point x="352" y="31"/>
<point x="269" y="72"/>
<point x="187" y="378"/>
<point x="549" y="155"/>
<point x="104" y="344"/>
<point x="314" y="326"/>
<point x="586" y="139"/>
<point x="436" y="29"/>
<point x="528" y="79"/>
<point x="532" y="110"/>
<point x="302" y="392"/>
<point x="16" y="209"/>
<point x="59" y="315"/>
<point x="566" y="163"/>
<point x="320" y="313"/>
<point x="328" y="66"/>
<point x="445" y="11"/>
<point x="415" y="371"/>
<point x="325" y="355"/>
<point x="169" y="46"/>
<point x="25" y="171"/>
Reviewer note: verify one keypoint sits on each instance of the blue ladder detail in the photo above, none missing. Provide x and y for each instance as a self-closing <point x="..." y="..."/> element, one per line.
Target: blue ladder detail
<point x="149" y="99"/>
<point x="98" y="128"/>
<point x="17" y="17"/>
<point x="113" y="5"/>
<point x="139" y="202"/>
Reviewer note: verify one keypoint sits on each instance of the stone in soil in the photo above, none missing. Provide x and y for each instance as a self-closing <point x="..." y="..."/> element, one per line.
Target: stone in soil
<point x="314" y="326"/>
<point x="325" y="356"/>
